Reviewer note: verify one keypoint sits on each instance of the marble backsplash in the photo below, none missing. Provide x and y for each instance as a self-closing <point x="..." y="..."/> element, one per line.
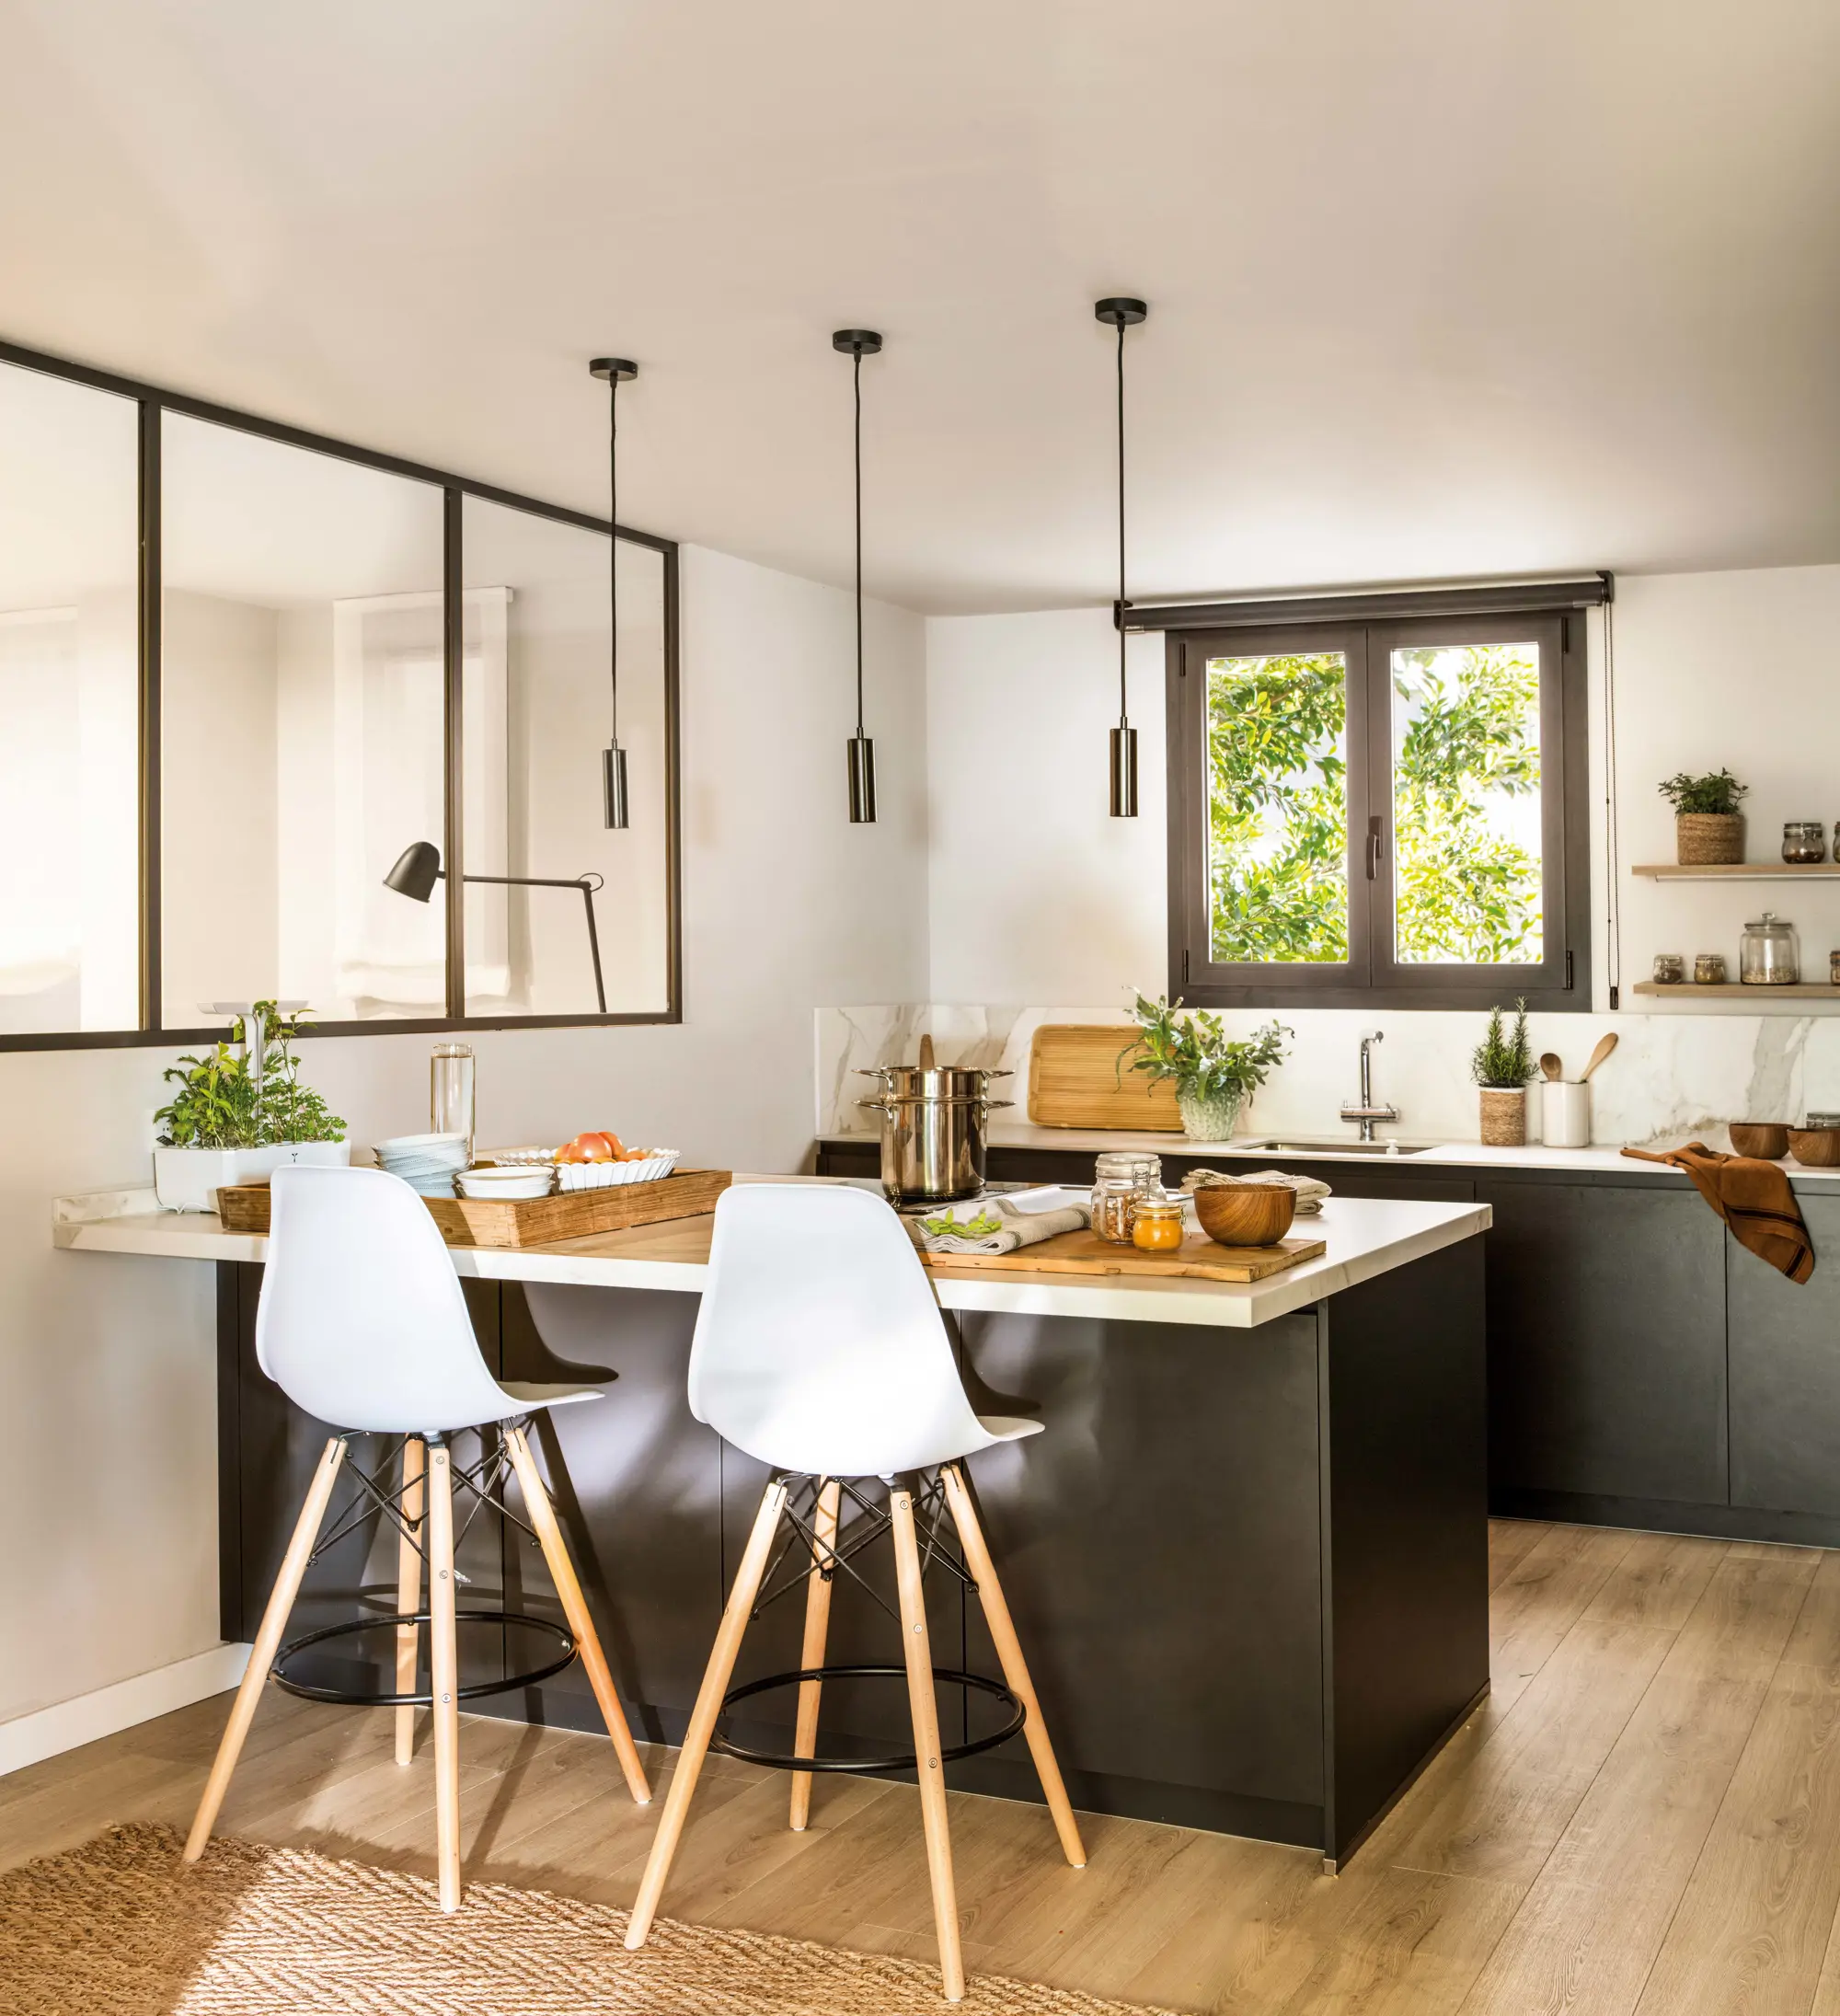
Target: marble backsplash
<point x="1671" y="1078"/>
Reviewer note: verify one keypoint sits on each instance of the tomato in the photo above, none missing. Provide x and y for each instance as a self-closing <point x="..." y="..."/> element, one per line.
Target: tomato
<point x="592" y="1147"/>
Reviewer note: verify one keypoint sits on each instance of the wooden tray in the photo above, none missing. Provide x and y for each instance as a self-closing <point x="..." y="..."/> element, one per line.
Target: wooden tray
<point x="528" y="1221"/>
<point x="1086" y="1253"/>
<point x="1074" y="1082"/>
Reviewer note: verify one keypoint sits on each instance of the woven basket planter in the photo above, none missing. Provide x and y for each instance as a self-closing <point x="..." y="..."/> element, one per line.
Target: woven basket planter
<point x="1504" y="1117"/>
<point x="1708" y="839"/>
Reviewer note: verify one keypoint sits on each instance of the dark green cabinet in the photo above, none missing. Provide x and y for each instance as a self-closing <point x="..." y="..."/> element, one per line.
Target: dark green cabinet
<point x="1785" y="1349"/>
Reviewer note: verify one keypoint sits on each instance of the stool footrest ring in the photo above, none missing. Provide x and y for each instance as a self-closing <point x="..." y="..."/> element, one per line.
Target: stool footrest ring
<point x="344" y="1697"/>
<point x="779" y="1761"/>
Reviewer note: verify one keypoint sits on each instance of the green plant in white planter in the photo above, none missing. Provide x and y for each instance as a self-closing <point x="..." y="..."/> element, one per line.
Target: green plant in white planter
<point x="1215" y="1075"/>
<point x="240" y="1114"/>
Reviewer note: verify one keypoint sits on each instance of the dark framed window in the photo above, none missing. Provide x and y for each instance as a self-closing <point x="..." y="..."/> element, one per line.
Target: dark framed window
<point x="252" y="669"/>
<point x="1381" y="808"/>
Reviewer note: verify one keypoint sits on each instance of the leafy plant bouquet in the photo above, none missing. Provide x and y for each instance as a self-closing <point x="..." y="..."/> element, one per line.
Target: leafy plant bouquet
<point x="223" y="1101"/>
<point x="1718" y="791"/>
<point x="1192" y="1047"/>
<point x="1503" y="1063"/>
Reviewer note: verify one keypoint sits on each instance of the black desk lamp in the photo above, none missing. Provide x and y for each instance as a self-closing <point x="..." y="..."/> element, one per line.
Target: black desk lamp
<point x="418" y="868"/>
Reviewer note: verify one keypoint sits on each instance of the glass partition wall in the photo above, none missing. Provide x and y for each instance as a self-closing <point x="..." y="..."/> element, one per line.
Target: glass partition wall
<point x="243" y="671"/>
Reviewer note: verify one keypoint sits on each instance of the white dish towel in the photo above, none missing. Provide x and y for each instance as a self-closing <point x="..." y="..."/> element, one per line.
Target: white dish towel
<point x="998" y="1225"/>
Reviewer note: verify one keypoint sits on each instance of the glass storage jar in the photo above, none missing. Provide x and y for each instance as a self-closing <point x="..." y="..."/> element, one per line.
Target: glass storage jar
<point x="1156" y="1223"/>
<point x="1766" y="953"/>
<point x="1122" y="1179"/>
<point x="1804" y="842"/>
<point x="1670" y="969"/>
<point x="1708" y="968"/>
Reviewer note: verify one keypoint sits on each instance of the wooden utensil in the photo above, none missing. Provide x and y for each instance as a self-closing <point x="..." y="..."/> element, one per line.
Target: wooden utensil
<point x="1246" y="1214"/>
<point x="1606" y="1045"/>
<point x="1550" y="1064"/>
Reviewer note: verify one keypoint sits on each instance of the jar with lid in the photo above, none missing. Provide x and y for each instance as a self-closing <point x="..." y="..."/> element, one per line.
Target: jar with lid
<point x="1156" y="1223"/>
<point x="1121" y="1180"/>
<point x="1804" y="842"/>
<point x="1766" y="954"/>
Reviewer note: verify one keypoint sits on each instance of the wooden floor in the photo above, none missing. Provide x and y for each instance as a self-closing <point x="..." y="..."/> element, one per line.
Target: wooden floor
<point x="1644" y="1817"/>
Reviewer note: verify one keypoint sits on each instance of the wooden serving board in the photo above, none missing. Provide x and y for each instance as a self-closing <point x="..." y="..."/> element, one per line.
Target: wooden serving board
<point x="528" y="1221"/>
<point x="1073" y="1077"/>
<point x="1086" y="1253"/>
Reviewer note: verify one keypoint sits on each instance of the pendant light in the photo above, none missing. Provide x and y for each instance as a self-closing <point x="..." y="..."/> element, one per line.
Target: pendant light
<point x="616" y="371"/>
<point x="858" y="344"/>
<point x="1123" y="313"/>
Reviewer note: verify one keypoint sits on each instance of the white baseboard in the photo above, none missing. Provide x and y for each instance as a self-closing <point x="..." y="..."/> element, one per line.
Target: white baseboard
<point x="47" y="1733"/>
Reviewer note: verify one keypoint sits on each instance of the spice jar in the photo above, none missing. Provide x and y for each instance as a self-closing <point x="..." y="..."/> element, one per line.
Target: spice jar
<point x="1766" y="956"/>
<point x="1670" y="969"/>
<point x="1833" y="968"/>
<point x="1156" y="1223"/>
<point x="1708" y="968"/>
<point x="1804" y="842"/>
<point x="1122" y="1179"/>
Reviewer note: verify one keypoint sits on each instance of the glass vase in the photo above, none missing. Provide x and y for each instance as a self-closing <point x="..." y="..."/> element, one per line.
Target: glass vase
<point x="1209" y="1116"/>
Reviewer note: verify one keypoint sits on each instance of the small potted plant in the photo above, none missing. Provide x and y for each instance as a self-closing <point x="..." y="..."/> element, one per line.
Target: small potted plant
<point x="1502" y="1065"/>
<point x="1215" y="1075"/>
<point x="1709" y="829"/>
<point x="239" y="1114"/>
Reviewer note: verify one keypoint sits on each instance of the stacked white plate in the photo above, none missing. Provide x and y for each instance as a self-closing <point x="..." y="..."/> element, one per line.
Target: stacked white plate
<point x="605" y="1175"/>
<point x="427" y="1163"/>
<point x="506" y="1183"/>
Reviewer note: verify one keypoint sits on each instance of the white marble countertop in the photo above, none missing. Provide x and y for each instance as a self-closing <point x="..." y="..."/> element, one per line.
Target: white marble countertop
<point x="1365" y="1236"/>
<point x="1604" y="1157"/>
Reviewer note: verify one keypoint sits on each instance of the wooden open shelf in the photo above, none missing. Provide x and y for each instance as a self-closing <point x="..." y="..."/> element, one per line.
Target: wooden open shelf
<point x="1687" y="990"/>
<point x="1740" y="871"/>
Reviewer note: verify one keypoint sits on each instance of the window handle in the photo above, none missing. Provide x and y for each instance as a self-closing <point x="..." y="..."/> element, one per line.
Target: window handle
<point x="1376" y="845"/>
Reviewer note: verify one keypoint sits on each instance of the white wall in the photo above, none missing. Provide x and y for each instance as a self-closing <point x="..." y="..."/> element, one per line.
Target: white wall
<point x="108" y="1364"/>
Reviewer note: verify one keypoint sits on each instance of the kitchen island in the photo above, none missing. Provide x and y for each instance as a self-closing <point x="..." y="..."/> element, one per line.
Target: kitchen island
<point x="1248" y="1557"/>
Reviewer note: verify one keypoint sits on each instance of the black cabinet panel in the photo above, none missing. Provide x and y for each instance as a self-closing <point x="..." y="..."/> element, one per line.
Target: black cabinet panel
<point x="1785" y="1374"/>
<point x="1606" y="1341"/>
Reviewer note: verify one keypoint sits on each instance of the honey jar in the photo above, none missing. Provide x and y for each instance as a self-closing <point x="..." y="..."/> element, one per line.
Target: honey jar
<point x="1156" y="1224"/>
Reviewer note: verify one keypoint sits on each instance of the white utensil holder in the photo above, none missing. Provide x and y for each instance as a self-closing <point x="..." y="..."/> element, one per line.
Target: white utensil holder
<point x="1564" y="1113"/>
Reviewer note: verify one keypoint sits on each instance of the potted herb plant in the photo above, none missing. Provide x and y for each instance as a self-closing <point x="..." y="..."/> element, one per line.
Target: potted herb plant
<point x="1502" y="1065"/>
<point x="1708" y="828"/>
<point x="239" y="1114"/>
<point x="1215" y="1075"/>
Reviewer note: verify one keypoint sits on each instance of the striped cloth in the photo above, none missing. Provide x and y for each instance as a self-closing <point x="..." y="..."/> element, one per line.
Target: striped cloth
<point x="1753" y="1198"/>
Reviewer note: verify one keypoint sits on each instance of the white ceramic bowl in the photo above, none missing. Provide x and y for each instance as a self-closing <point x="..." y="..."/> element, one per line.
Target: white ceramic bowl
<point x="516" y="1183"/>
<point x="608" y="1175"/>
<point x="412" y="1145"/>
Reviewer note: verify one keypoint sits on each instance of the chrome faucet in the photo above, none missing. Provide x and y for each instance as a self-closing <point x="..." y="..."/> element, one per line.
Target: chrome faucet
<point x="1367" y="1113"/>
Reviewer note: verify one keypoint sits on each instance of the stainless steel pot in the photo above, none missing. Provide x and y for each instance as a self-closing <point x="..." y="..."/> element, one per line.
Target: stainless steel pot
<point x="932" y="1131"/>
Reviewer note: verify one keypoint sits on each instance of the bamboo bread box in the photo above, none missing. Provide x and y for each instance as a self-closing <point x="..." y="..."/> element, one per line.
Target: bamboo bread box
<point x="528" y="1221"/>
<point x="1077" y="1079"/>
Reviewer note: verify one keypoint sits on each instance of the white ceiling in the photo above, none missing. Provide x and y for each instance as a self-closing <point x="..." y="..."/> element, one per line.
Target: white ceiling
<point x="1437" y="287"/>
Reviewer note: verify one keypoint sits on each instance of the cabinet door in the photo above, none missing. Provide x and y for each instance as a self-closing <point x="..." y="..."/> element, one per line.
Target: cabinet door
<point x="1785" y="1374"/>
<point x="1606" y="1341"/>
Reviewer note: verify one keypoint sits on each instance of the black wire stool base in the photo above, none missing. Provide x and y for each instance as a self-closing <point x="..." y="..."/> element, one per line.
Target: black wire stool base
<point x="776" y="1761"/>
<point x="342" y="1698"/>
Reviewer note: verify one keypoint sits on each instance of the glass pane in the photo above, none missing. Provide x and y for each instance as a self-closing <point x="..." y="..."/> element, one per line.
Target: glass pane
<point x="538" y="720"/>
<point x="301" y="728"/>
<point x="1467" y="804"/>
<point x="1278" y="809"/>
<point x="69" y="953"/>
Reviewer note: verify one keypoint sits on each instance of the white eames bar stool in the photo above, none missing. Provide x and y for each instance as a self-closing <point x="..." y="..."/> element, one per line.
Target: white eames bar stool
<point x="362" y="1325"/>
<point x="819" y="1351"/>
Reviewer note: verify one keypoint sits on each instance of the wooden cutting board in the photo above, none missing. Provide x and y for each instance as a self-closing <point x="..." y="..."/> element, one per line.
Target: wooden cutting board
<point x="1086" y="1253"/>
<point x="1074" y="1081"/>
<point x="528" y="1221"/>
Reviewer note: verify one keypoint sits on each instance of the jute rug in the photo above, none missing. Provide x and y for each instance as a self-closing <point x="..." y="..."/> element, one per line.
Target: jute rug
<point x="121" y="1928"/>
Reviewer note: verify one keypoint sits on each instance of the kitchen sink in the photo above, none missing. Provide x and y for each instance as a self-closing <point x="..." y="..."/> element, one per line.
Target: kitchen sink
<point x="1341" y="1147"/>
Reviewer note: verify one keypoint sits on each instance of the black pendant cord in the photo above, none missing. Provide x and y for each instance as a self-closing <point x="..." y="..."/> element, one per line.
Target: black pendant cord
<point x="855" y="379"/>
<point x="1124" y="711"/>
<point x="613" y="553"/>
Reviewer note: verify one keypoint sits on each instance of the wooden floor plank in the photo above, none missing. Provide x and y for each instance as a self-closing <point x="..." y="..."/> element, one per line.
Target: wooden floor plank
<point x="1509" y="1539"/>
<point x="1543" y="1597"/>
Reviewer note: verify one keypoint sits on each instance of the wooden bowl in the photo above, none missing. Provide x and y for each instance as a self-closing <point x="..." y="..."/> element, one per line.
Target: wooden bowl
<point x="1767" y="1140"/>
<point x="1815" y="1148"/>
<point x="1246" y="1214"/>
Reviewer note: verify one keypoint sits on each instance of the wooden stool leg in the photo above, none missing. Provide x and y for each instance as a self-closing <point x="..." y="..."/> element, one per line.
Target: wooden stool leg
<point x="925" y="1711"/>
<point x="575" y="1608"/>
<point x="1009" y="1655"/>
<point x="268" y="1641"/>
<point x="748" y="1578"/>
<point x="409" y="1591"/>
<point x="444" y="1659"/>
<point x="811" y="1653"/>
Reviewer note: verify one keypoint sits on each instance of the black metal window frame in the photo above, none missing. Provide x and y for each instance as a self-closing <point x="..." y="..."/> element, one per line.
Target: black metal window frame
<point x="1373" y="978"/>
<point x="153" y="401"/>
